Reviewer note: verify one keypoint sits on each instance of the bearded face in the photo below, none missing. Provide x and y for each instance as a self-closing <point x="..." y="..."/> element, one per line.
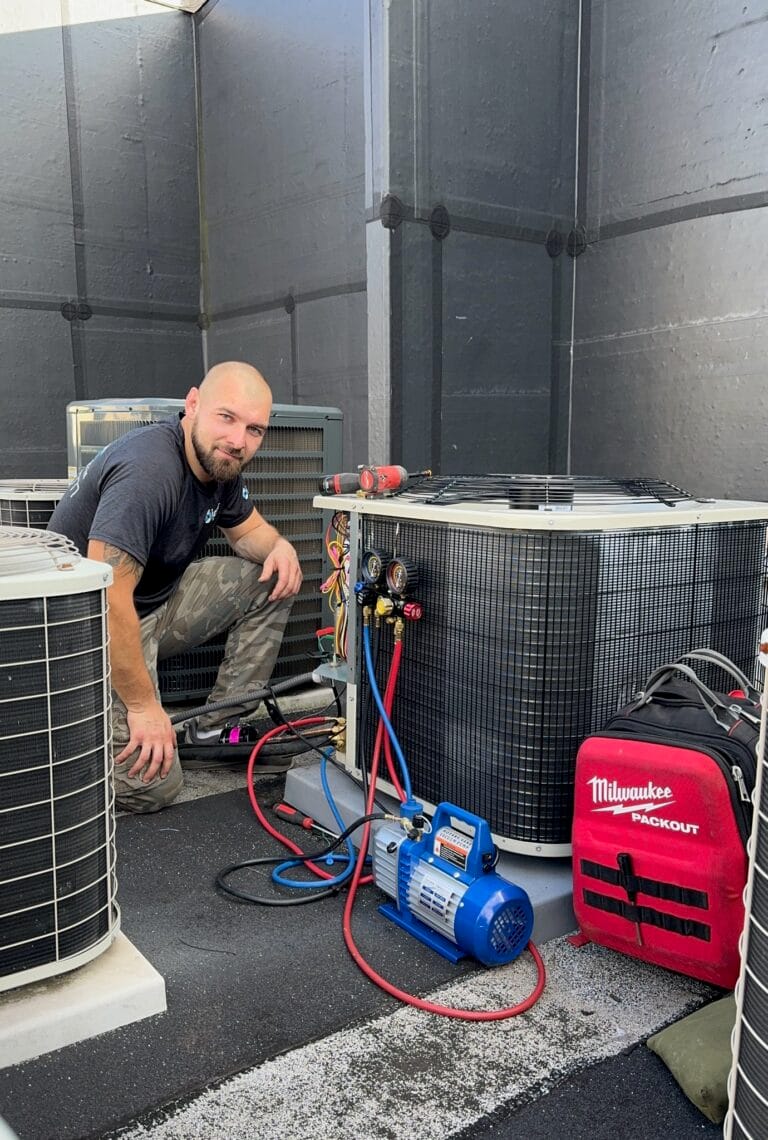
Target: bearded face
<point x="225" y="421"/>
<point x="218" y="459"/>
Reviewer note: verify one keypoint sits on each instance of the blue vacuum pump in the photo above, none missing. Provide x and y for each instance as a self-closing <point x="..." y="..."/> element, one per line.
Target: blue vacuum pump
<point x="446" y="892"/>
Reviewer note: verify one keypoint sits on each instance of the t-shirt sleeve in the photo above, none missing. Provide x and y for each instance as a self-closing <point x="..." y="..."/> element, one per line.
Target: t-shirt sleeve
<point x="236" y="504"/>
<point x="137" y="497"/>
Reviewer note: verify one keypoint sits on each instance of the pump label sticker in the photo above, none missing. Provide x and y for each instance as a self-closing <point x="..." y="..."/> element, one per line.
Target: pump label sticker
<point x="637" y="801"/>
<point x="453" y="847"/>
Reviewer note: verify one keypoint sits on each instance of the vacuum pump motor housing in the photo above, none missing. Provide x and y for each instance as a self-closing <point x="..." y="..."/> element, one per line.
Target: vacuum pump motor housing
<point x="446" y="892"/>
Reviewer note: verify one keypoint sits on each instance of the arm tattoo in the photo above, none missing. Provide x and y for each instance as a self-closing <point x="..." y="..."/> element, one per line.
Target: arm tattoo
<point x="119" y="560"/>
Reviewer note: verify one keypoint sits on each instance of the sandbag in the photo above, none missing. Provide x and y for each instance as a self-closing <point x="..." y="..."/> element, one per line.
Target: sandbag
<point x="697" y="1052"/>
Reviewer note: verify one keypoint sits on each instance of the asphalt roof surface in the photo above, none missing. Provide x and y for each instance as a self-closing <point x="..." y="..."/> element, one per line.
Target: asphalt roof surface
<point x="272" y="1031"/>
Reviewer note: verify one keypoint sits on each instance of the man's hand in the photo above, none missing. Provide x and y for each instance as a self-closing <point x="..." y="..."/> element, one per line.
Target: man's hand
<point x="152" y="734"/>
<point x="283" y="561"/>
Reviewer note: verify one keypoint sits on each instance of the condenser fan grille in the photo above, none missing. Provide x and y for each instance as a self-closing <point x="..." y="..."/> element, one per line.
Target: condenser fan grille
<point x="541" y="492"/>
<point x="56" y="810"/>
<point x="29" y="502"/>
<point x="748" y="1086"/>
<point x="531" y="639"/>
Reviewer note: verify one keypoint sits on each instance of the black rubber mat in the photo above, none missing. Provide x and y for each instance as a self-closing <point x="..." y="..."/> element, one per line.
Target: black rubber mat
<point x="247" y="983"/>
<point x="243" y="983"/>
<point x="631" y="1096"/>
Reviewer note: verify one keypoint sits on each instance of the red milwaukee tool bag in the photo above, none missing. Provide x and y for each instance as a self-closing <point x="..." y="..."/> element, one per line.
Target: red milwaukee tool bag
<point x="661" y="819"/>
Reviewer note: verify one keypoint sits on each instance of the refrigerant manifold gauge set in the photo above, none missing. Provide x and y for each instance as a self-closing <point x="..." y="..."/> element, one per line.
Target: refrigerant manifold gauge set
<point x="386" y="584"/>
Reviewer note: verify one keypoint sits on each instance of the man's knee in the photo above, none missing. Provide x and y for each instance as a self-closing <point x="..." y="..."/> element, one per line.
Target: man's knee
<point x="131" y="794"/>
<point x="250" y="576"/>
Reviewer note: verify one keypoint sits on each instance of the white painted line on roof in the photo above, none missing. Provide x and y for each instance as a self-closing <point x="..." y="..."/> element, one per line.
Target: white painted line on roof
<point x="372" y="1081"/>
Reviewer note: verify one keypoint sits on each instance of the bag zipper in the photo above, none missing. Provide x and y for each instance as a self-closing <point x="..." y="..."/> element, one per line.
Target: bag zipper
<point x="741" y="784"/>
<point x="642" y="728"/>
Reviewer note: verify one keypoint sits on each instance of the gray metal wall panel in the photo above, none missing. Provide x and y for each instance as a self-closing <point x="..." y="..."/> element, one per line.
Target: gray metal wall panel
<point x="331" y="365"/>
<point x="670" y="357"/>
<point x="375" y="102"/>
<point x="496" y="355"/>
<point x="283" y="144"/>
<point x="415" y="267"/>
<point x="36" y="255"/>
<point x="481" y="115"/>
<point x="671" y="315"/>
<point x="379" y="338"/>
<point x="482" y="107"/>
<point x="134" y="110"/>
<point x="264" y="339"/>
<point x="283" y="148"/>
<point x="677" y="114"/>
<point x="134" y="357"/>
<point x="36" y="386"/>
<point x="560" y="410"/>
<point x="99" y="198"/>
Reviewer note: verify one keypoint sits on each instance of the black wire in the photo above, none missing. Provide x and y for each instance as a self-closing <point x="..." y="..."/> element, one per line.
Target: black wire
<point x="244" y="896"/>
<point x="251" y="698"/>
<point x="336" y="699"/>
<point x="331" y="759"/>
<point x="286" y="747"/>
<point x="273" y="748"/>
<point x="288" y="744"/>
<point x="274" y="860"/>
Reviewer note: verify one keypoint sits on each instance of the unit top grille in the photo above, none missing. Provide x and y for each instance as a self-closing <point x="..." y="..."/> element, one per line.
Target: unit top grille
<point x="547" y="502"/>
<point x="33" y="488"/>
<point x="39" y="563"/>
<point x="24" y="550"/>
<point x="546" y="492"/>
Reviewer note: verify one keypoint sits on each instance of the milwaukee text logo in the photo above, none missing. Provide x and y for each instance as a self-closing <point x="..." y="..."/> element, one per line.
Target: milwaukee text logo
<point x="637" y="801"/>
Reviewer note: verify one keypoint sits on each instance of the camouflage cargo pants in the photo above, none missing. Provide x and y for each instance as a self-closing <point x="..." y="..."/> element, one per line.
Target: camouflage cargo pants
<point x="213" y="595"/>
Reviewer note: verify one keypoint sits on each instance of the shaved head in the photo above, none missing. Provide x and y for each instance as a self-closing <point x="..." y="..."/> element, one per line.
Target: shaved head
<point x="234" y="375"/>
<point x="225" y="420"/>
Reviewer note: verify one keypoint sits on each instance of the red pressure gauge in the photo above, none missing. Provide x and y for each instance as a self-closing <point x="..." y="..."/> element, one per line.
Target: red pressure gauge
<point x="402" y="576"/>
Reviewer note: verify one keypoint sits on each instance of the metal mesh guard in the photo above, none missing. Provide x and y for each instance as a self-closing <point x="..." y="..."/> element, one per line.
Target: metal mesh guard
<point x="509" y="929"/>
<point x="531" y="639"/>
<point x="541" y="492"/>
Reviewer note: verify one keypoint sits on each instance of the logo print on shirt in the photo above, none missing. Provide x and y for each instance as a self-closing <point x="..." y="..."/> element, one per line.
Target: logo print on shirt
<point x="245" y="493"/>
<point x="211" y="513"/>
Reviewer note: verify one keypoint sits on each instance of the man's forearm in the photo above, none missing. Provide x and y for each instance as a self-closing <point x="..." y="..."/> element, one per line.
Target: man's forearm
<point x="258" y="543"/>
<point x="130" y="676"/>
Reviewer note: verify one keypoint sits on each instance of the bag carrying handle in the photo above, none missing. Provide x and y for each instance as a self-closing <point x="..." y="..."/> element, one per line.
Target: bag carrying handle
<point x="715" y="658"/>
<point x="722" y="715"/>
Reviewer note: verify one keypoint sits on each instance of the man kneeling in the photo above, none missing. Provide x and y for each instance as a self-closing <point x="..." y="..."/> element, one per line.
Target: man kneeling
<point x="147" y="505"/>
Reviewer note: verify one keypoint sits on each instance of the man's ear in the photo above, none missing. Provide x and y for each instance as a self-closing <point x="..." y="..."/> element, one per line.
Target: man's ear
<point x="192" y="400"/>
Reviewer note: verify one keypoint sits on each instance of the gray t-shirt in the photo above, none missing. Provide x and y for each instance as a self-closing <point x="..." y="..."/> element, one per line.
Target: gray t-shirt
<point x="139" y="495"/>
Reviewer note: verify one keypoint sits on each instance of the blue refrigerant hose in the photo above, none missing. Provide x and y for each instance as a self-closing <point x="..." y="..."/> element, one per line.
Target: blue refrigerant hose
<point x="383" y="713"/>
<point x="277" y="873"/>
<point x="349" y="858"/>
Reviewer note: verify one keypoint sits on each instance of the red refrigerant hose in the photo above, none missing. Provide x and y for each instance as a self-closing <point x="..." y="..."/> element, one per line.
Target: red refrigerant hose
<point x="358" y="879"/>
<point x="292" y="847"/>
